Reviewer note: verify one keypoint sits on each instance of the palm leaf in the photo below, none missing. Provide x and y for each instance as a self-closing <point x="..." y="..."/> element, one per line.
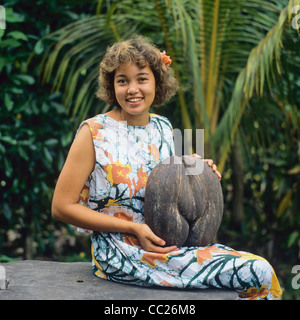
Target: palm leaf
<point x="251" y="80"/>
<point x="217" y="37"/>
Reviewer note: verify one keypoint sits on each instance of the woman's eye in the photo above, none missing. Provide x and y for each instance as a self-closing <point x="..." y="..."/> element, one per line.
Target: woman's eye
<point x="143" y="79"/>
<point x="121" y="81"/>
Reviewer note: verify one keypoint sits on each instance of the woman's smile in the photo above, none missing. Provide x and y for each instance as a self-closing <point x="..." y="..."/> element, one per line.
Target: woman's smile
<point x="134" y="100"/>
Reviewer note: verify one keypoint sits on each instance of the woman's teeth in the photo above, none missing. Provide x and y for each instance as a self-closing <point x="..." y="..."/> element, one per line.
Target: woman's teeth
<point x="134" y="99"/>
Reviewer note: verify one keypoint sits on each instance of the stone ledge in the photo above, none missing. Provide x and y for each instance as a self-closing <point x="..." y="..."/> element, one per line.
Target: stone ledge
<point x="44" y="280"/>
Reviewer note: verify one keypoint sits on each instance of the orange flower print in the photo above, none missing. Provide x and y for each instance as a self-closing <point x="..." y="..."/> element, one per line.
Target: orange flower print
<point x="84" y="195"/>
<point x="142" y="180"/>
<point x="253" y="293"/>
<point x="112" y="202"/>
<point x="131" y="240"/>
<point x="95" y="129"/>
<point x="205" y="253"/>
<point x="118" y="173"/>
<point x="150" y="257"/>
<point x="154" y="152"/>
<point x="165" y="283"/>
<point x="109" y="156"/>
<point x="122" y="215"/>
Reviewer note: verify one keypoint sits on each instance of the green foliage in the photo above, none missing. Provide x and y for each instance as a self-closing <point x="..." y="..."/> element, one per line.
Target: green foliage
<point x="4" y="258"/>
<point x="272" y="180"/>
<point x="34" y="135"/>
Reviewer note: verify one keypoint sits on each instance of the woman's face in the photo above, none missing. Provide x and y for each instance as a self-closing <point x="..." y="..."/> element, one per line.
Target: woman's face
<point x="134" y="88"/>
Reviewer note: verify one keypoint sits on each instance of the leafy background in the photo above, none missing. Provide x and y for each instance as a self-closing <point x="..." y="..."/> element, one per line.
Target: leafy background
<point x="239" y="69"/>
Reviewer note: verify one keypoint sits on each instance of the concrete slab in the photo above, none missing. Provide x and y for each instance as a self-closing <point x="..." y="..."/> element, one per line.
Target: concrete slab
<point x="46" y="280"/>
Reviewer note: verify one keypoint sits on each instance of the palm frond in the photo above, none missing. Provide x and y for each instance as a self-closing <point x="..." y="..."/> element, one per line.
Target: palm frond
<point x="251" y="80"/>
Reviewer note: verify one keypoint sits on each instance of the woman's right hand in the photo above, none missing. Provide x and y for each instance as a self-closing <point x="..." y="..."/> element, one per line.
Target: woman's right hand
<point x="149" y="241"/>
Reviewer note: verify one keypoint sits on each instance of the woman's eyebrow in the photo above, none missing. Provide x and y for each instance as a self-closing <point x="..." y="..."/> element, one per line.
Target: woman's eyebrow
<point x="139" y="74"/>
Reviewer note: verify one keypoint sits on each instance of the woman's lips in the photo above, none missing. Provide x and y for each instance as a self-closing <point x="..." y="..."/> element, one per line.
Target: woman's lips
<point x="134" y="101"/>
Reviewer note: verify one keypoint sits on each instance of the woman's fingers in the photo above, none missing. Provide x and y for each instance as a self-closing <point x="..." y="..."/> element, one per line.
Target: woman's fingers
<point x="196" y="155"/>
<point x="159" y="249"/>
<point x="210" y="163"/>
<point x="156" y="244"/>
<point x="153" y="247"/>
<point x="218" y="174"/>
<point x="166" y="249"/>
<point x="151" y="242"/>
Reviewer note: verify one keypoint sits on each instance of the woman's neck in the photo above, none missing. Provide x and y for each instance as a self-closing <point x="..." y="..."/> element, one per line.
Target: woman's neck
<point x="135" y="120"/>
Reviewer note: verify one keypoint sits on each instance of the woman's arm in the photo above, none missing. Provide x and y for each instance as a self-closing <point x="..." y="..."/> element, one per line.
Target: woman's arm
<point x="65" y="207"/>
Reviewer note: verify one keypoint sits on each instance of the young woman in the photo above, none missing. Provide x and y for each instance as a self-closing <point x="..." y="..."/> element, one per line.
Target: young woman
<point x="102" y="185"/>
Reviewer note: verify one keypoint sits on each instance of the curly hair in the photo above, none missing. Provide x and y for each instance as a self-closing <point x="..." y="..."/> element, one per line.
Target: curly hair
<point x="141" y="51"/>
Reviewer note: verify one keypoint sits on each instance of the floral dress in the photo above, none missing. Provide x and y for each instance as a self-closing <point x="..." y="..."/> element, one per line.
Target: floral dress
<point x="125" y="156"/>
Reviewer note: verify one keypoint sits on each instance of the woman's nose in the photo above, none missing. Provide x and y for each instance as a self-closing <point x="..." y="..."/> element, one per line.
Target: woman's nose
<point x="132" y="88"/>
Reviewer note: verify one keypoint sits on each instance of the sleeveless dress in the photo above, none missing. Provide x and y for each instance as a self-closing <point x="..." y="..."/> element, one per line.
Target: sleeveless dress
<point x="125" y="156"/>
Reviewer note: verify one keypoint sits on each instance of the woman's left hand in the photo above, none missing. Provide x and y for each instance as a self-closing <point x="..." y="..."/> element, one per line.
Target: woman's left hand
<point x="210" y="162"/>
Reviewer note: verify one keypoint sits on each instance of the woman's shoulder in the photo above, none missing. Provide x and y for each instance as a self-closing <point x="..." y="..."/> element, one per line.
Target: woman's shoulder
<point x="99" y="118"/>
<point x="95" y="123"/>
<point x="162" y="121"/>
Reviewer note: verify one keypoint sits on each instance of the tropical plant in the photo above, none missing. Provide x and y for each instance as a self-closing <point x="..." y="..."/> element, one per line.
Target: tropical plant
<point x="34" y="133"/>
<point x="223" y="53"/>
